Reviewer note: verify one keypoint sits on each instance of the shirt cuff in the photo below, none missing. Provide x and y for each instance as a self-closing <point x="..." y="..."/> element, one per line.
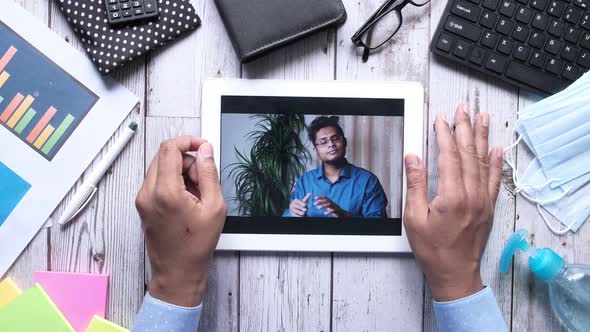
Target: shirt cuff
<point x="477" y="312"/>
<point x="156" y="315"/>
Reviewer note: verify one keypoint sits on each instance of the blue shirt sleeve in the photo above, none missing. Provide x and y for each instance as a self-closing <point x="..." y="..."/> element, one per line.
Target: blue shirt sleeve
<point x="478" y="312"/>
<point x="374" y="201"/>
<point x="156" y="316"/>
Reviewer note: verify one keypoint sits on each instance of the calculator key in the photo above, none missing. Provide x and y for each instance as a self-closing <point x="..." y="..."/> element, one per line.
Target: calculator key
<point x="113" y="8"/>
<point x="477" y="55"/>
<point x="125" y="6"/>
<point x="490" y="4"/>
<point x="445" y="42"/>
<point x="496" y="62"/>
<point x="538" y="59"/>
<point x="505" y="46"/>
<point x="127" y="13"/>
<point x="520" y="33"/>
<point x="522" y="53"/>
<point x="570" y="53"/>
<point x="489" y="39"/>
<point x="554" y="66"/>
<point x="136" y="4"/>
<point x="573" y="35"/>
<point x="556" y="28"/>
<point x="573" y="15"/>
<point x="570" y="72"/>
<point x="137" y="11"/>
<point x="112" y="2"/>
<point x="585" y="43"/>
<point x="556" y="8"/>
<point x="539" y="4"/>
<point x="524" y="15"/>
<point x="466" y="10"/>
<point x="507" y="8"/>
<point x="504" y="27"/>
<point x="150" y="6"/>
<point x="115" y="15"/>
<point x="532" y="77"/>
<point x="460" y="27"/>
<point x="537" y="40"/>
<point x="584" y="59"/>
<point x="488" y="20"/>
<point x="461" y="49"/>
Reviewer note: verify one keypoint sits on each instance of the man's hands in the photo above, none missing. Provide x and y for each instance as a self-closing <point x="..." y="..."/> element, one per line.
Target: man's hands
<point x="332" y="209"/>
<point x="298" y="207"/>
<point x="182" y="212"/>
<point x="449" y="235"/>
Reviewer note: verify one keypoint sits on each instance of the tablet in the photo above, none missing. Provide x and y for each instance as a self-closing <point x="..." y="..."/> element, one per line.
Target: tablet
<point x="313" y="166"/>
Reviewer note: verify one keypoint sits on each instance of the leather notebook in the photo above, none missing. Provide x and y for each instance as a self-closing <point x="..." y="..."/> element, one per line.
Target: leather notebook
<point x="258" y="26"/>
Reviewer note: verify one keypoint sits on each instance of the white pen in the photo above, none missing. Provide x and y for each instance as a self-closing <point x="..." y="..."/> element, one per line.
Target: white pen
<point x="88" y="188"/>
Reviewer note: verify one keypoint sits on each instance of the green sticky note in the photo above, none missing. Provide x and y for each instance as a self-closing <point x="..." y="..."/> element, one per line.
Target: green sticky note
<point x="33" y="310"/>
<point x="99" y="324"/>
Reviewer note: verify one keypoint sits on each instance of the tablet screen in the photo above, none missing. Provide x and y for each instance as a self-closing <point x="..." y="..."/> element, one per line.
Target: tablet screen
<point x="312" y="165"/>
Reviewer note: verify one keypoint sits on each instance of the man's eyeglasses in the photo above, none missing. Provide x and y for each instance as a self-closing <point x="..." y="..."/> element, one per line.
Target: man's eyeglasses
<point x="324" y="141"/>
<point x="382" y="25"/>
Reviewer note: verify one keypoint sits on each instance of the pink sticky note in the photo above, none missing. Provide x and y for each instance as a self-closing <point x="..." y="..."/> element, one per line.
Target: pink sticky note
<point x="79" y="296"/>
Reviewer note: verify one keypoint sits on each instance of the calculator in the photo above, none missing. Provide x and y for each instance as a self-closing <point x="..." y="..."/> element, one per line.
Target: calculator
<point x="130" y="11"/>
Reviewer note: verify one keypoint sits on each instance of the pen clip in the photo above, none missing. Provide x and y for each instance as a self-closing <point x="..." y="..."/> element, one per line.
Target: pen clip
<point x="94" y="188"/>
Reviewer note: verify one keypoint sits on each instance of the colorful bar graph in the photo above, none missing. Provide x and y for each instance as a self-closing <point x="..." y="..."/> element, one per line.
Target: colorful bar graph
<point x="11" y="107"/>
<point x="44" y="136"/>
<point x="41" y="124"/>
<point x="7" y="57"/>
<point x="24" y="122"/>
<point x="61" y="129"/>
<point x="3" y="78"/>
<point x="20" y="111"/>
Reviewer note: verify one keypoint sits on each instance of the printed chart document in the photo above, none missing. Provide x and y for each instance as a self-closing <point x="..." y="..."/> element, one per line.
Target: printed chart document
<point x="56" y="113"/>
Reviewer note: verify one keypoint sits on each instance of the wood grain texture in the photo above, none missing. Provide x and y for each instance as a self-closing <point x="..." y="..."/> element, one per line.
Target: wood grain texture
<point x="35" y="256"/>
<point x="107" y="237"/>
<point x="288" y="291"/>
<point x="388" y="289"/>
<point x="449" y="85"/>
<point x="220" y="304"/>
<point x="176" y="72"/>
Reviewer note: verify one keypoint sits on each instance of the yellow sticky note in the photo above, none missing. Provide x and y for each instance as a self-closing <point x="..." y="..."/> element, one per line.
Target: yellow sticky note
<point x="98" y="324"/>
<point x="8" y="291"/>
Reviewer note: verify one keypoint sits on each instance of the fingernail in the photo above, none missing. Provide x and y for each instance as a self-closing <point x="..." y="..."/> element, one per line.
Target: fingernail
<point x="499" y="152"/>
<point x="465" y="108"/>
<point x="206" y="150"/>
<point x="442" y="116"/>
<point x="412" y="161"/>
<point x="485" y="119"/>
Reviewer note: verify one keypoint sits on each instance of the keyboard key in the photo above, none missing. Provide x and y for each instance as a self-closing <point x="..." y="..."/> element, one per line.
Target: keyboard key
<point x="524" y="2"/>
<point x="556" y="8"/>
<point x="570" y="53"/>
<point x="522" y="53"/>
<point x="539" y="4"/>
<point x="490" y="4"/>
<point x="123" y="0"/>
<point x="520" y="33"/>
<point x="570" y="72"/>
<point x="488" y="20"/>
<point x="475" y="1"/>
<point x="136" y="4"/>
<point x="507" y="8"/>
<point x="137" y="11"/>
<point x="115" y="15"/>
<point x="556" y="28"/>
<point x="496" y="62"/>
<point x="150" y="6"/>
<point x="127" y="13"/>
<point x="529" y="76"/>
<point x="460" y="27"/>
<point x="445" y="42"/>
<point x="524" y="15"/>
<point x="125" y="6"/>
<point x="585" y="43"/>
<point x="112" y="2"/>
<point x="505" y="46"/>
<point x="538" y="59"/>
<point x="584" y="59"/>
<point x="537" y="40"/>
<point x="489" y="39"/>
<point x="554" y="66"/>
<point x="581" y="3"/>
<point x="465" y="10"/>
<point x="461" y="49"/>
<point x="553" y="46"/>
<point x="113" y="8"/>
<point x="540" y="21"/>
<point x="504" y="27"/>
<point x="573" y="15"/>
<point x="477" y="55"/>
<point x="585" y="22"/>
<point x="573" y="35"/>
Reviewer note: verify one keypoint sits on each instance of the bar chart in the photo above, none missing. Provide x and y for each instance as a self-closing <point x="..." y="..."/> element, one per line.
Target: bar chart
<point x="40" y="103"/>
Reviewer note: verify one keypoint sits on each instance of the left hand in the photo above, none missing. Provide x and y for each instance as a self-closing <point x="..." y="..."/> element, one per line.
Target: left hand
<point x="332" y="209"/>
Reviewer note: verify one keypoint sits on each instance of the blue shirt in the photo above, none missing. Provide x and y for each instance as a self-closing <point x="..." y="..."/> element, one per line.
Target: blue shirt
<point x="357" y="191"/>
<point x="478" y="312"/>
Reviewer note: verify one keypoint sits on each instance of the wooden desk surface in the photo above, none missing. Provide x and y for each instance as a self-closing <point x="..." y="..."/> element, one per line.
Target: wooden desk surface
<point x="293" y="291"/>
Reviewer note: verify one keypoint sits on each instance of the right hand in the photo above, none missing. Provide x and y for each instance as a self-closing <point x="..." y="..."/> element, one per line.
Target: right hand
<point x="298" y="207"/>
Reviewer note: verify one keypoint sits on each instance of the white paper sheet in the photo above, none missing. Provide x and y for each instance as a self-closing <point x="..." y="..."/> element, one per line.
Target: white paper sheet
<point x="50" y="178"/>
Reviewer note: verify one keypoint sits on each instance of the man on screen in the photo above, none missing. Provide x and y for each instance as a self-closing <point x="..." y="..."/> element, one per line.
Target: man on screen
<point x="337" y="188"/>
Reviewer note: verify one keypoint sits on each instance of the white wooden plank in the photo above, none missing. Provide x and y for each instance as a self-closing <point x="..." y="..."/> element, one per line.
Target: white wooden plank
<point x="35" y="256"/>
<point x="220" y="304"/>
<point x="450" y="84"/>
<point x="386" y="289"/>
<point x="288" y="291"/>
<point x="176" y="71"/>
<point x="107" y="237"/>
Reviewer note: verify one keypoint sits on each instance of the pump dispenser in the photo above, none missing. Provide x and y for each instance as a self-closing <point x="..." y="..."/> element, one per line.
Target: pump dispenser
<point x="569" y="284"/>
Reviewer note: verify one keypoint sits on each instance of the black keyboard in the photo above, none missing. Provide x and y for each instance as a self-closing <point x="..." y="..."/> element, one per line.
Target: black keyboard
<point x="538" y="44"/>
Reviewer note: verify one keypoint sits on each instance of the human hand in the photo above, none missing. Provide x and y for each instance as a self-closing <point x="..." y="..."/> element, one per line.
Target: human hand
<point x="298" y="207"/>
<point x="332" y="209"/>
<point x="449" y="235"/>
<point x="182" y="212"/>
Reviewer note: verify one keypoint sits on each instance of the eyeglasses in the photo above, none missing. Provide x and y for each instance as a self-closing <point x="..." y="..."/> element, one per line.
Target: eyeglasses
<point x="382" y="25"/>
<point x="324" y="141"/>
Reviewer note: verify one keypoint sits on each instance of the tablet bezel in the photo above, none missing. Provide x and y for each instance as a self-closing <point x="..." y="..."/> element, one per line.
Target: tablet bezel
<point x="411" y="92"/>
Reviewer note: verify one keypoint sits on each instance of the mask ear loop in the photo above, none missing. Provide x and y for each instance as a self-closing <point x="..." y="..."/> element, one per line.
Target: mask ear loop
<point x="508" y="157"/>
<point x="555" y="231"/>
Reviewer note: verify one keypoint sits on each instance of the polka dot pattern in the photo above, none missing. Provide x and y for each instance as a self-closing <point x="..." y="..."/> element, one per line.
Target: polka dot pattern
<point x="111" y="49"/>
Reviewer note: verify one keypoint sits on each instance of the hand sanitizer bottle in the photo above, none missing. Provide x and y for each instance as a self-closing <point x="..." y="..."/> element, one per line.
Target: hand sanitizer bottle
<point x="569" y="284"/>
